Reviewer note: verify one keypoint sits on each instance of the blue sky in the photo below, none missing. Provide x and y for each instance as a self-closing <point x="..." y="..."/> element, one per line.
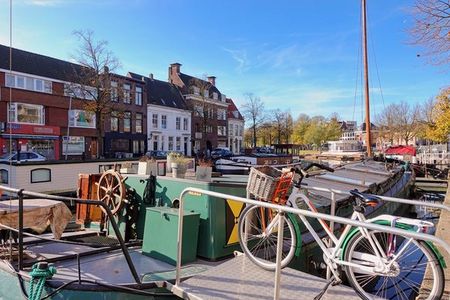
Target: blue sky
<point x="301" y="56"/>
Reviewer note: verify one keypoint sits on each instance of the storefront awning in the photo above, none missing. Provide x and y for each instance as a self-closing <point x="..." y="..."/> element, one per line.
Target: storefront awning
<point x="30" y="136"/>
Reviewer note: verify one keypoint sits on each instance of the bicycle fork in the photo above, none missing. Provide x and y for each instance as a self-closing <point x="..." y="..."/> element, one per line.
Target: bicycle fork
<point x="329" y="255"/>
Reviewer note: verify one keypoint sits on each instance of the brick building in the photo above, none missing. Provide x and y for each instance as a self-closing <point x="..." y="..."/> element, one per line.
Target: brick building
<point x="38" y="112"/>
<point x="126" y="128"/>
<point x="209" y="108"/>
<point x="34" y="116"/>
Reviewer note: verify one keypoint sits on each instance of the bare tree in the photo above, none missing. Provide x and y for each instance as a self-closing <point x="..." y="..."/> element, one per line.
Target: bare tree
<point x="288" y="127"/>
<point x="278" y="120"/>
<point x="253" y="110"/>
<point x="386" y="121"/>
<point x="92" y="82"/>
<point x="399" y="122"/>
<point x="432" y="29"/>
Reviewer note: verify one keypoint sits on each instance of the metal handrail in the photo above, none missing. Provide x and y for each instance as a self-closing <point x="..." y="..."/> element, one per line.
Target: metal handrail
<point x="302" y="212"/>
<point x="385" y="198"/>
<point x="21" y="193"/>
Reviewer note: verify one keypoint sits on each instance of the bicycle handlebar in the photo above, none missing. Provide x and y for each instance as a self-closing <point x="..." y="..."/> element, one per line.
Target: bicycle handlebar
<point x="303" y="172"/>
<point x="320" y="166"/>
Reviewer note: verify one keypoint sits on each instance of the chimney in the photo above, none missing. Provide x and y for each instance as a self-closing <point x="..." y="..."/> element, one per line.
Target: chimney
<point x="174" y="69"/>
<point x="212" y="80"/>
<point x="150" y="76"/>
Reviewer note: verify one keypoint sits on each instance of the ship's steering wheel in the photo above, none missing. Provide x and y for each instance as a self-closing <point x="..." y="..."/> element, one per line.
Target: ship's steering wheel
<point x="111" y="190"/>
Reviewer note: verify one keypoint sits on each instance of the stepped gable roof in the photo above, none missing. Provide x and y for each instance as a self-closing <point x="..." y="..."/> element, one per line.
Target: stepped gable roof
<point x="164" y="93"/>
<point x="232" y="111"/>
<point x="40" y="65"/>
<point x="191" y="80"/>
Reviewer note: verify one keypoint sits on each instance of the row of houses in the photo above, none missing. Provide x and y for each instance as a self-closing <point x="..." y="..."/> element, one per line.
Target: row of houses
<point x="43" y="108"/>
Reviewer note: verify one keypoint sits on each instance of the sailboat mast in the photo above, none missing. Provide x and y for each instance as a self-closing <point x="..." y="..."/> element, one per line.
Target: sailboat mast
<point x="366" y="79"/>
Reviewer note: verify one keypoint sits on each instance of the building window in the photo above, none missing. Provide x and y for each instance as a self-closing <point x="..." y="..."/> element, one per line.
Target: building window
<point x="185" y="124"/>
<point x="127" y="121"/>
<point x="215" y="96"/>
<point x="139" y="123"/>
<point x="210" y="113"/>
<point x="196" y="90"/>
<point x="198" y="110"/>
<point x="26" y="113"/>
<point x="41" y="175"/>
<point x="114" y="121"/>
<point x="136" y="146"/>
<point x="138" y="96"/>
<point x="223" y="98"/>
<point x="178" y="123"/>
<point x="75" y="146"/>
<point x="10" y="80"/>
<point x="114" y="92"/>
<point x="155" y="120"/>
<point x="170" y="148"/>
<point x="221" y="114"/>
<point x="206" y="93"/>
<point x="126" y="93"/>
<point x="162" y="143"/>
<point x="81" y="118"/>
<point x="81" y="92"/>
<point x="4" y="176"/>
<point x="221" y="130"/>
<point x="236" y="129"/>
<point x="178" y="143"/>
<point x="163" y="121"/>
<point x="28" y="83"/>
<point x="209" y="129"/>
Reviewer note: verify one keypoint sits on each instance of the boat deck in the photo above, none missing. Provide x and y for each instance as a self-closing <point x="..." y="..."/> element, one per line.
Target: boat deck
<point x="111" y="267"/>
<point x="239" y="278"/>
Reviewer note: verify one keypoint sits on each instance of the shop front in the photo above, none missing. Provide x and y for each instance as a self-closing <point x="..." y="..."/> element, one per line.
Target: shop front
<point x="42" y="139"/>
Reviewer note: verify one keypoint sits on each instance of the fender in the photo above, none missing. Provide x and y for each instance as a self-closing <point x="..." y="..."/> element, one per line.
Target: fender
<point x="430" y="245"/>
<point x="298" y="233"/>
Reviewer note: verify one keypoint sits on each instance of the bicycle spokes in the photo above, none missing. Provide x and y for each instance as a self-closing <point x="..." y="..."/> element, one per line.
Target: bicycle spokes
<point x="399" y="275"/>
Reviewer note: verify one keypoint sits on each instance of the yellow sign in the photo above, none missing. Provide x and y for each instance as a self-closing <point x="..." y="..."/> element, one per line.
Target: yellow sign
<point x="234" y="209"/>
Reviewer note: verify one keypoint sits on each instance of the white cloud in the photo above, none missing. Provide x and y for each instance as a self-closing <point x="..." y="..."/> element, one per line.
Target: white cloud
<point x="44" y="2"/>
<point x="240" y="56"/>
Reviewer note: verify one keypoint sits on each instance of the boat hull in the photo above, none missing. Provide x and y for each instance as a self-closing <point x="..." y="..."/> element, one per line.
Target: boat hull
<point x="10" y="288"/>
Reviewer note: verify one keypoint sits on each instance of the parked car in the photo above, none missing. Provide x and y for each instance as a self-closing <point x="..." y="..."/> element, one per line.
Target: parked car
<point x="23" y="157"/>
<point x="157" y="154"/>
<point x="221" y="152"/>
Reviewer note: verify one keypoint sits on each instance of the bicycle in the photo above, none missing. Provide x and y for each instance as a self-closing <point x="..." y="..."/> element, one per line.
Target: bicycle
<point x="376" y="264"/>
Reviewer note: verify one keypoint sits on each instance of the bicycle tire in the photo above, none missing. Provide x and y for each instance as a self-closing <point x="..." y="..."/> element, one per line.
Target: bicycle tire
<point x="407" y="273"/>
<point x="261" y="250"/>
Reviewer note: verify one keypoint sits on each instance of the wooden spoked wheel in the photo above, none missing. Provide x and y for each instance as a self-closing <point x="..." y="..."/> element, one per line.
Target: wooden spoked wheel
<point x="111" y="190"/>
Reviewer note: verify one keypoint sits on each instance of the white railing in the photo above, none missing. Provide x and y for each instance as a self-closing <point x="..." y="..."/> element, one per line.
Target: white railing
<point x="306" y="213"/>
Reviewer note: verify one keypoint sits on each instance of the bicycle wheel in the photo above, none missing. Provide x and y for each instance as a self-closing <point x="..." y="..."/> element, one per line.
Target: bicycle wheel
<point x="258" y="237"/>
<point x="403" y="279"/>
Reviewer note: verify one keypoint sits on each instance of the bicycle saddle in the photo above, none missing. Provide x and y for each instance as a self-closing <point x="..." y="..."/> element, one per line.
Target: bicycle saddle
<point x="366" y="199"/>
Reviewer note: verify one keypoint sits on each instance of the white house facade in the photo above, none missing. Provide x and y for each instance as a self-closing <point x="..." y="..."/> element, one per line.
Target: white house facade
<point x="169" y="129"/>
<point x="235" y="128"/>
<point x="168" y="118"/>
